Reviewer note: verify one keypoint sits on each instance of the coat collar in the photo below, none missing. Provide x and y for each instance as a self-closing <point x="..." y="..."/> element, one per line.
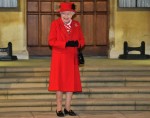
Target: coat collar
<point x="64" y="29"/>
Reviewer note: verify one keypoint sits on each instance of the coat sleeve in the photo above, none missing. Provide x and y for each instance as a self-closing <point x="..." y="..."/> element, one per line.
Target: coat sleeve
<point x="81" y="39"/>
<point x="52" y="38"/>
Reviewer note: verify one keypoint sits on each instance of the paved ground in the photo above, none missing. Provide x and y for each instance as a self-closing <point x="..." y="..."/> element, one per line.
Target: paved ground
<point x="94" y="114"/>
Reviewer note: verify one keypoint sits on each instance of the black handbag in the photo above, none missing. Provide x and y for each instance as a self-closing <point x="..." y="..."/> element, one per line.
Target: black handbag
<point x="80" y="57"/>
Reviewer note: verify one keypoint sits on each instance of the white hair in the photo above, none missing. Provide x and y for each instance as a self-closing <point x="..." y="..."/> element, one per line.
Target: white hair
<point x="69" y="11"/>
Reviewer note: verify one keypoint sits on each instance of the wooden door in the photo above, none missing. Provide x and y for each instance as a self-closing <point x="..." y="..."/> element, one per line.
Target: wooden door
<point x="92" y="14"/>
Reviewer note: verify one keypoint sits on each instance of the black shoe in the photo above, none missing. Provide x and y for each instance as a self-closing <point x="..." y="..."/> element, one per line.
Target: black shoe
<point x="70" y="112"/>
<point x="60" y="113"/>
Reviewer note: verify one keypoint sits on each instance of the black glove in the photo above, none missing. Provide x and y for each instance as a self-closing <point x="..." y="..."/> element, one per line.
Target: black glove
<point x="76" y="43"/>
<point x="72" y="44"/>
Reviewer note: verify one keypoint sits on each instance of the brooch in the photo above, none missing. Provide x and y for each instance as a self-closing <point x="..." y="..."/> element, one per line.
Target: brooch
<point x="76" y="25"/>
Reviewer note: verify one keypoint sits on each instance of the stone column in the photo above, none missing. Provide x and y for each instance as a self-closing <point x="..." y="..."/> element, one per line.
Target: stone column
<point x="112" y="29"/>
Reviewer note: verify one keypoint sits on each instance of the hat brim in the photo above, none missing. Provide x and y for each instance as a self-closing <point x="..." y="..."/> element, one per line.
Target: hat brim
<point x="66" y="10"/>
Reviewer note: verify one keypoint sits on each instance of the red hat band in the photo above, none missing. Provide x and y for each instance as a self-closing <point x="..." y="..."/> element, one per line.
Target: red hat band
<point x="66" y="6"/>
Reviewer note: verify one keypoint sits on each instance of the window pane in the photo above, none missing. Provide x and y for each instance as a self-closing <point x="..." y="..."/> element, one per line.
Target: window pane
<point x="127" y="3"/>
<point x="143" y="3"/>
<point x="8" y="3"/>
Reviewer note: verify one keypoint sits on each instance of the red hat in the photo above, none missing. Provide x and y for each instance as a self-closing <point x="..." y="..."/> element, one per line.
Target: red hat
<point x="67" y="6"/>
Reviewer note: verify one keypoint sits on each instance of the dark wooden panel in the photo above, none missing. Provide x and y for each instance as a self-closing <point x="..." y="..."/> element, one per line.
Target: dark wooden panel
<point x="46" y="51"/>
<point x="88" y="6"/>
<point x="77" y="18"/>
<point x="88" y="29"/>
<point x="77" y="6"/>
<point x="39" y="51"/>
<point x="101" y="6"/>
<point x="101" y="30"/>
<point x="95" y="51"/>
<point x="56" y="16"/>
<point x="45" y="27"/>
<point x="56" y="6"/>
<point x="33" y="6"/>
<point x="46" y="6"/>
<point x="33" y="28"/>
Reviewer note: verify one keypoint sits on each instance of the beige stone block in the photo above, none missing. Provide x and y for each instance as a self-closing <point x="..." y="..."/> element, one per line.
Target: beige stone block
<point x="28" y="97"/>
<point x="16" y="114"/>
<point x="105" y="84"/>
<point x="137" y="73"/>
<point x="22" y="85"/>
<point x="25" y="80"/>
<point x="26" y="74"/>
<point x="19" y="69"/>
<point x="100" y="114"/>
<point x="2" y="69"/>
<point x="28" y="91"/>
<point x="103" y="102"/>
<point x="21" y="54"/>
<point x="25" y="109"/>
<point x="103" y="79"/>
<point x="114" y="90"/>
<point x="146" y="84"/>
<point x="131" y="96"/>
<point x="138" y="78"/>
<point x="19" y="74"/>
<point x="143" y="108"/>
<point x="76" y="96"/>
<point x="44" y="114"/>
<point x="27" y="69"/>
<point x="99" y="108"/>
<point x="84" y="84"/>
<point x="3" y="91"/>
<point x="104" y="73"/>
<point x="8" y="80"/>
<point x="2" y="74"/>
<point x="135" y="114"/>
<point x="143" y="102"/>
<point x="25" y="103"/>
<point x="3" y="97"/>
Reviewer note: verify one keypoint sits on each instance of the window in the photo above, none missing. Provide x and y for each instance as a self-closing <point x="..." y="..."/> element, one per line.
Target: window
<point x="9" y="4"/>
<point x="134" y="3"/>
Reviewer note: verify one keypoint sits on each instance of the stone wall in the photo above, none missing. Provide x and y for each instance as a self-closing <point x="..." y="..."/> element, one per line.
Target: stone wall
<point x="131" y="25"/>
<point x="13" y="29"/>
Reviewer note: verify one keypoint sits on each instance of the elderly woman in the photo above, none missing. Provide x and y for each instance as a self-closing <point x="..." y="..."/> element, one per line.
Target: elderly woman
<point x="65" y="38"/>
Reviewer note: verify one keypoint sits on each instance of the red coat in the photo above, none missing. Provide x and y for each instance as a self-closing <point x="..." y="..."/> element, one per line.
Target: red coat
<point x="64" y="74"/>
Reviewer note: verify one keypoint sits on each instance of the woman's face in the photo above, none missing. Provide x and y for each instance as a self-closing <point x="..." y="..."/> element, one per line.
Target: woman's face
<point x="66" y="16"/>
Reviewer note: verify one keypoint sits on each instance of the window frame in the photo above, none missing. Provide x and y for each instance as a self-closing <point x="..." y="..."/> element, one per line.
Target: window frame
<point x="17" y="8"/>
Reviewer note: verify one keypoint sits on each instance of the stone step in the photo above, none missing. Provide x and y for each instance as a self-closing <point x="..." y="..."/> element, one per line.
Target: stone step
<point x="94" y="92"/>
<point x="91" y="73"/>
<point x="104" y="88"/>
<point x="77" y="104"/>
<point x="44" y="79"/>
<point x="90" y="90"/>
<point x="34" y="82"/>
<point x="84" y="71"/>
